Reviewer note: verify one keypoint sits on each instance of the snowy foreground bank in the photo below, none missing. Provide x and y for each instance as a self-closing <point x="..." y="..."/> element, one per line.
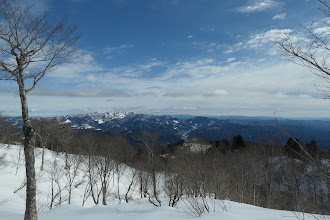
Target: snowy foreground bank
<point x="12" y="196"/>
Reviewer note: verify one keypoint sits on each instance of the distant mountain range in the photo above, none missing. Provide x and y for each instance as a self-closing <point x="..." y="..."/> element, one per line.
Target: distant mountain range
<point x="187" y="127"/>
<point x="175" y="128"/>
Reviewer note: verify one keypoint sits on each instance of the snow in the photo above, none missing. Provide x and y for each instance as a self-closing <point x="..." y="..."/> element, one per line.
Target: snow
<point x="12" y="204"/>
<point x="66" y="121"/>
<point x="197" y="147"/>
<point x="118" y="115"/>
<point x="87" y="126"/>
<point x="100" y="121"/>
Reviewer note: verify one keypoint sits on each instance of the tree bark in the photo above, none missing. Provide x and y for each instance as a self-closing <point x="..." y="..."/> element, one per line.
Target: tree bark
<point x="42" y="157"/>
<point x="29" y="136"/>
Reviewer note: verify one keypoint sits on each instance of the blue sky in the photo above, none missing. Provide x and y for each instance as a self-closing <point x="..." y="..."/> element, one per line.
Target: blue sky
<point x="199" y="57"/>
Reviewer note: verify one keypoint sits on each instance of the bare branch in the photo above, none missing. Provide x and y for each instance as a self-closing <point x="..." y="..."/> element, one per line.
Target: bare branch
<point x="30" y="45"/>
<point x="304" y="154"/>
<point x="309" y="47"/>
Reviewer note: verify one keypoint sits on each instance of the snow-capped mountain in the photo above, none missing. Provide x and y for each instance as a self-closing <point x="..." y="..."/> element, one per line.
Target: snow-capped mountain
<point x="174" y="128"/>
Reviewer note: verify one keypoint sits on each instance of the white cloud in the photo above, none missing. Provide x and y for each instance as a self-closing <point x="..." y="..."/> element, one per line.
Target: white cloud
<point x="84" y="65"/>
<point x="279" y="16"/>
<point x="230" y="59"/>
<point x="238" y="45"/>
<point x="264" y="38"/>
<point x="190" y="36"/>
<point x="265" y="41"/>
<point x="195" y="68"/>
<point x="258" y="6"/>
<point x="217" y="92"/>
<point x="228" y="51"/>
<point x="322" y="31"/>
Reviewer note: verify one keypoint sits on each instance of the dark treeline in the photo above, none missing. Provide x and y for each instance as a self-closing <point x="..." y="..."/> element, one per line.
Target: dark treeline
<point x="266" y="175"/>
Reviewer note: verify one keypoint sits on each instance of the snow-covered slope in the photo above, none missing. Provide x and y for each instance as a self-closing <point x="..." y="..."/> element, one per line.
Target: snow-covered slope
<point x="12" y="196"/>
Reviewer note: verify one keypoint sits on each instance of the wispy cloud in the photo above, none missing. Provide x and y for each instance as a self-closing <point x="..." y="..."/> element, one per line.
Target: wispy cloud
<point x="233" y="48"/>
<point x="117" y="50"/>
<point x="279" y="16"/>
<point x="151" y="64"/>
<point x="208" y="28"/>
<point x="209" y="46"/>
<point x="84" y="65"/>
<point x="258" y="6"/>
<point x="195" y="68"/>
<point x="265" y="38"/>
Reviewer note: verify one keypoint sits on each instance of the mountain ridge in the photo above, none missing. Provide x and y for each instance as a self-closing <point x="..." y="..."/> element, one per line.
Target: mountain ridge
<point x="201" y="127"/>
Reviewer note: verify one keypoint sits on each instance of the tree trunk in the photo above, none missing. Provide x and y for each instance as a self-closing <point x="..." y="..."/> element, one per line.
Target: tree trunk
<point x="42" y="157"/>
<point x="104" y="189"/>
<point x="31" y="202"/>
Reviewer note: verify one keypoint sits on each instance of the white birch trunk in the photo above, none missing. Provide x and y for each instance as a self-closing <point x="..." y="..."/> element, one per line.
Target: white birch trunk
<point x="31" y="202"/>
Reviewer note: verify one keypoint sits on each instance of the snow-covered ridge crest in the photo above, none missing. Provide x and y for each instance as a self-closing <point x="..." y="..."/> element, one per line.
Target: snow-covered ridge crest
<point x="103" y="115"/>
<point x="100" y="117"/>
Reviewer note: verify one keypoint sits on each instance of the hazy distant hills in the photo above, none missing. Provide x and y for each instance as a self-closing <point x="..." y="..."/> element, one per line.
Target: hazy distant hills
<point x="175" y="128"/>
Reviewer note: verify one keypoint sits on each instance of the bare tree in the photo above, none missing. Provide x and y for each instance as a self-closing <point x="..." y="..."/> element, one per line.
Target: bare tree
<point x="73" y="164"/>
<point x="43" y="130"/>
<point x="93" y="172"/>
<point x="149" y="140"/>
<point x="131" y="184"/>
<point x="30" y="47"/>
<point x="55" y="174"/>
<point x="310" y="47"/>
